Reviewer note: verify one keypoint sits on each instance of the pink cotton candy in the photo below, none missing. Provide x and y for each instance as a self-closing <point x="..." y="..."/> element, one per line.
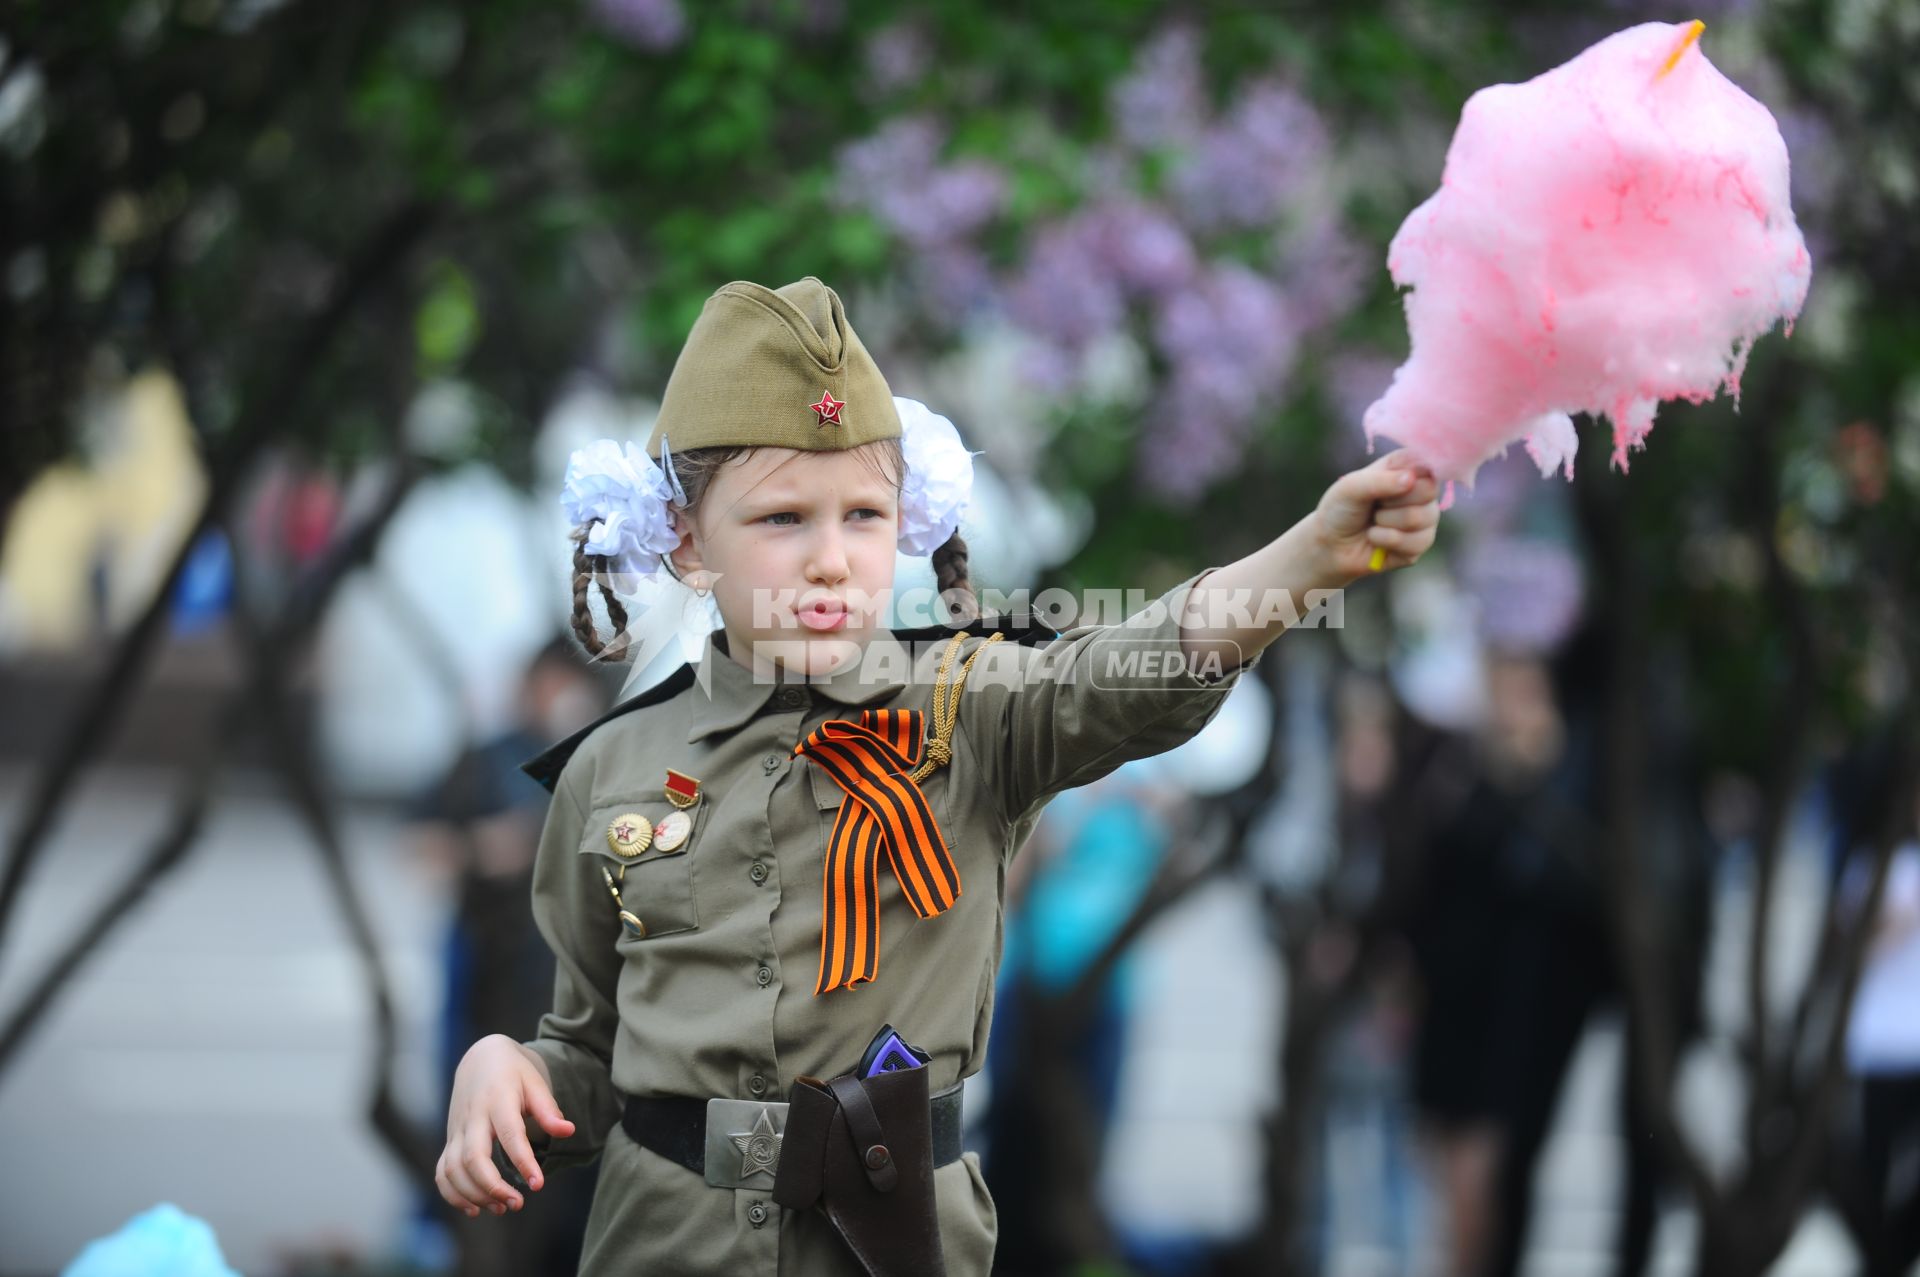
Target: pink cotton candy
<point x="1605" y="236"/>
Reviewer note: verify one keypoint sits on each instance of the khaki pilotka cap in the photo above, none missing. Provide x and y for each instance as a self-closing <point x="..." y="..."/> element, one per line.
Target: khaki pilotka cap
<point x="779" y="368"/>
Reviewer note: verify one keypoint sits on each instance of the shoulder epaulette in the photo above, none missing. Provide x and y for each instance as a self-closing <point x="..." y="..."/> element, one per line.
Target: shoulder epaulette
<point x="1030" y="632"/>
<point x="547" y="767"/>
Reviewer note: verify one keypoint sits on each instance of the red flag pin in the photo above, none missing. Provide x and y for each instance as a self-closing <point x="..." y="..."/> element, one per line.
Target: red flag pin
<point x="683" y="791"/>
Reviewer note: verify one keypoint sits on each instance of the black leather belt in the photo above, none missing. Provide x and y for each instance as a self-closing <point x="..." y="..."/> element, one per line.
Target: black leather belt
<point x="736" y="1143"/>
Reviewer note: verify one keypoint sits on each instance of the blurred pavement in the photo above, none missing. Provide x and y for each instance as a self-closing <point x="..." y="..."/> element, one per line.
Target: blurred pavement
<point x="216" y="1051"/>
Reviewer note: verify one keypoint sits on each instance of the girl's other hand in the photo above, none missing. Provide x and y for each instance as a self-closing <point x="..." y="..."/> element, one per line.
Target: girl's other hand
<point x="1391" y="505"/>
<point x="498" y="1085"/>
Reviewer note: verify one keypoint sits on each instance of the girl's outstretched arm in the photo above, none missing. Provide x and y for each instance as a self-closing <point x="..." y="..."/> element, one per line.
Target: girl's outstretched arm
<point x="1042" y="718"/>
<point x="1390" y="507"/>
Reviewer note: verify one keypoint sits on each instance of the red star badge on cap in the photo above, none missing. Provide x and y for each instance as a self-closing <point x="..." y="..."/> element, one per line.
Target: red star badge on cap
<point x="828" y="409"/>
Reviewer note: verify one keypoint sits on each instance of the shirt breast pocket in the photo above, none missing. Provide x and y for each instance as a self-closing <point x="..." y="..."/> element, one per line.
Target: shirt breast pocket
<point x="642" y="851"/>
<point x="936" y="791"/>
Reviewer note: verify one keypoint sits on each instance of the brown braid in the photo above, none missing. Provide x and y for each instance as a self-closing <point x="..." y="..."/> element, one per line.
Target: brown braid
<point x="950" y="578"/>
<point x="589" y="570"/>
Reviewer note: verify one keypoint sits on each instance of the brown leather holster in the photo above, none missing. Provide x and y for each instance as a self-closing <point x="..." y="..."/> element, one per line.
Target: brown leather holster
<point x="862" y="1150"/>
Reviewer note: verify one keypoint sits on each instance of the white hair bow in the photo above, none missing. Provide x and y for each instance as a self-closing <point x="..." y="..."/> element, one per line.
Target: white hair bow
<point x="620" y="495"/>
<point x="939" y="478"/>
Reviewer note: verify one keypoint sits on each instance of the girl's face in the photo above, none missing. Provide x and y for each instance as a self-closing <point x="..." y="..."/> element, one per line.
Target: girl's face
<point x="798" y="547"/>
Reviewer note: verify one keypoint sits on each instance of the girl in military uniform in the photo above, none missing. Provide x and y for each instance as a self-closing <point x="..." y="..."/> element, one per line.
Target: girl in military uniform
<point x="750" y="868"/>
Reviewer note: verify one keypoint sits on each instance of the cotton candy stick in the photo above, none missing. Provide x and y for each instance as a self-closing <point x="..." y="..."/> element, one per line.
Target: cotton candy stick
<point x="1608" y="235"/>
<point x="1687" y="36"/>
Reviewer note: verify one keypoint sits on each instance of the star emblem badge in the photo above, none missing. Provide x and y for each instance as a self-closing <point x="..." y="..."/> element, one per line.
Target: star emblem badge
<point x="629" y="835"/>
<point x="759" y="1148"/>
<point x="828" y="409"/>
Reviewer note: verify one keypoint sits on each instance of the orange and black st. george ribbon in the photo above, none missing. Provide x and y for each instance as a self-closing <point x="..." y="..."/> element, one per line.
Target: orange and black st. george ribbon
<point x="884" y="812"/>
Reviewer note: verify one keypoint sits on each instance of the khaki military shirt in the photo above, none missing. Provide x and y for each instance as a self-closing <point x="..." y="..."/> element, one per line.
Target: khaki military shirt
<point x="717" y="998"/>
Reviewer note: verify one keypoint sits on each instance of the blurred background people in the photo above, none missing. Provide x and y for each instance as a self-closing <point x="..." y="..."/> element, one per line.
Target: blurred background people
<point x="1054" y="1085"/>
<point x="1515" y="956"/>
<point x="480" y="826"/>
<point x="1374" y="1203"/>
<point x="1883" y="1055"/>
<point x="1482" y="934"/>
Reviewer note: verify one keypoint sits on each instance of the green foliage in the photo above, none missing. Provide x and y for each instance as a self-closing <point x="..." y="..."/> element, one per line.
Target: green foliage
<point x="572" y="179"/>
<point x="448" y="320"/>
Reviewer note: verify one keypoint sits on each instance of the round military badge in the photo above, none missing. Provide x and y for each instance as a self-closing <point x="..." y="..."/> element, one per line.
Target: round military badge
<point x="672" y="832"/>
<point x="629" y="834"/>
<point x="635" y="928"/>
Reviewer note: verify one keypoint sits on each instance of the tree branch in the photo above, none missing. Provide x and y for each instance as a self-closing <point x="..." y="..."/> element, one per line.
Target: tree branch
<point x="101" y="712"/>
<point x="291" y="630"/>
<point x="1780" y="781"/>
<point x="1625" y="742"/>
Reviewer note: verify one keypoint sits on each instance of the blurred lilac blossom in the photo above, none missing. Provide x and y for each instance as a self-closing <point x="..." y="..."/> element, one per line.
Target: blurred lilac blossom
<point x="959" y="276"/>
<point x="1126" y="260"/>
<point x="1163" y="99"/>
<point x="1233" y="315"/>
<point x="648" y="24"/>
<point x="1502" y="490"/>
<point x="897" y="176"/>
<point x="1064" y="291"/>
<point x="1079" y="270"/>
<point x="1230" y="341"/>
<point x="1048" y="368"/>
<point x="896" y="57"/>
<point x="904" y="148"/>
<point x="1354" y="380"/>
<point x="1110" y="173"/>
<point x="1324" y="269"/>
<point x="1530" y="593"/>
<point x="1242" y="169"/>
<point x="1145" y="248"/>
<point x="1184" y="451"/>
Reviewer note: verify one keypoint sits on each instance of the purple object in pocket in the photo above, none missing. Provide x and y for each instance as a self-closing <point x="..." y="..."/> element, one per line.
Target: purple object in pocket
<point x="889" y="1053"/>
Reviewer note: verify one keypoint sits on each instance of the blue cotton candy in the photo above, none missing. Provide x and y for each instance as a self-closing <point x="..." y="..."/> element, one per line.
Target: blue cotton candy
<point x="162" y="1242"/>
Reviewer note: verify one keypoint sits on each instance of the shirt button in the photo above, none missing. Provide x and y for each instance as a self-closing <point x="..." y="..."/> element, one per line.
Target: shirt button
<point x="765" y="976"/>
<point x="758" y="872"/>
<point x="756" y="1214"/>
<point x="792" y="698"/>
<point x="757" y="1084"/>
<point x="771" y="762"/>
